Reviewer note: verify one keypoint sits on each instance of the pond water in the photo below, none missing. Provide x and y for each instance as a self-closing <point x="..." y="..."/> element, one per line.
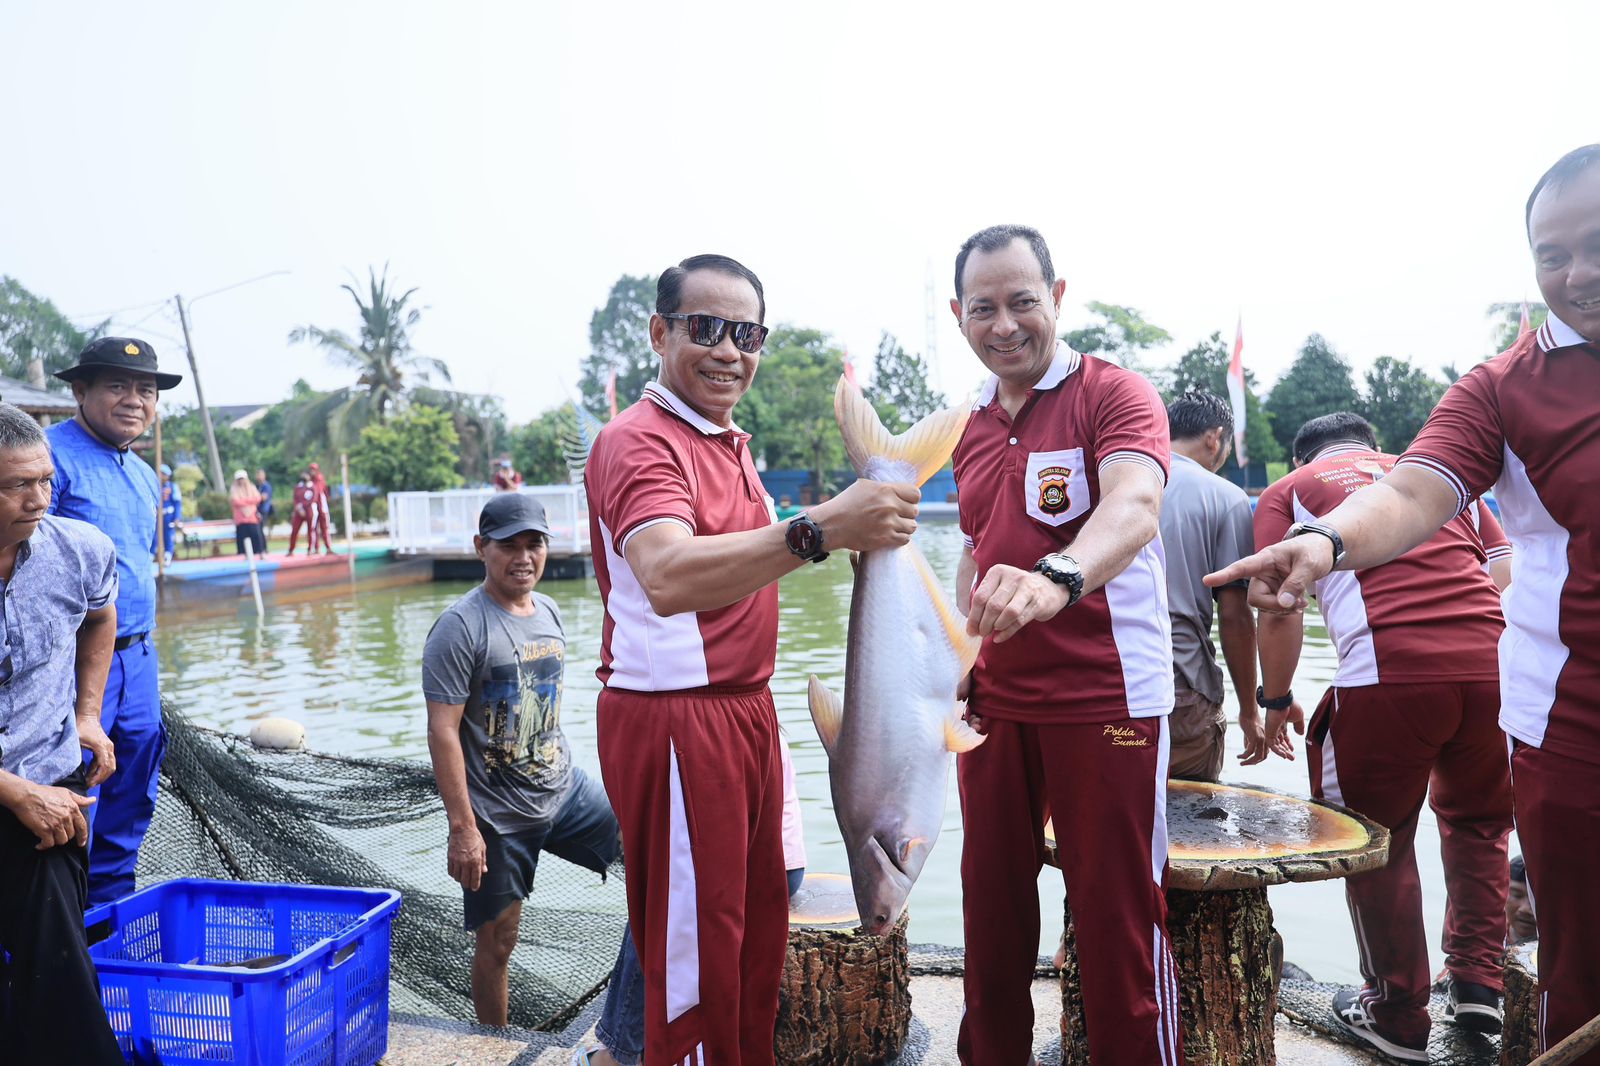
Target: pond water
<point x="347" y="667"/>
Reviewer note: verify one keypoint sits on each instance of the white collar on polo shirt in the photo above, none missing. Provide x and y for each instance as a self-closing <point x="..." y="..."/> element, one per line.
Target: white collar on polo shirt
<point x="665" y="397"/>
<point x="1557" y="334"/>
<point x="1062" y="366"/>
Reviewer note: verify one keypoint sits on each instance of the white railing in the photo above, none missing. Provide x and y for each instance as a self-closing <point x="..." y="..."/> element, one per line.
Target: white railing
<point x="426" y="523"/>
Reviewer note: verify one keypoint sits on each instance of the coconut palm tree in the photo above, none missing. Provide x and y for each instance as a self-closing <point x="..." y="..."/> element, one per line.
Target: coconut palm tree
<point x="380" y="354"/>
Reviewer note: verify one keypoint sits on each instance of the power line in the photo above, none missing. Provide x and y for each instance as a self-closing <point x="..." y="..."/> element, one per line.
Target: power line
<point x="115" y="311"/>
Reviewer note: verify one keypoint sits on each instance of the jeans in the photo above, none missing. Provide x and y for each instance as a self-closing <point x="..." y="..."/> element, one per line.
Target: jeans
<point x="621" y="1024"/>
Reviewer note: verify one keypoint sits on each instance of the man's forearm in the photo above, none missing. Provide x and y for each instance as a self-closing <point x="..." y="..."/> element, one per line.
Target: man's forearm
<point x="1390" y="517"/>
<point x="1125" y="520"/>
<point x="12" y="789"/>
<point x="1279" y="637"/>
<point x="1236" y="626"/>
<point x="96" y="639"/>
<point x="703" y="573"/>
<point x="450" y="773"/>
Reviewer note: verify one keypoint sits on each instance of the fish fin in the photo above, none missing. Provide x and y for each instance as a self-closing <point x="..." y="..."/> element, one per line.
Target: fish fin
<point x="907" y="845"/>
<point x="925" y="447"/>
<point x="959" y="736"/>
<point x="955" y="627"/>
<point x="827" y="712"/>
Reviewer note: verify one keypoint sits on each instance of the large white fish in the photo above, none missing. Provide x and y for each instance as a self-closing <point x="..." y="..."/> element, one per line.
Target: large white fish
<point x="889" y="745"/>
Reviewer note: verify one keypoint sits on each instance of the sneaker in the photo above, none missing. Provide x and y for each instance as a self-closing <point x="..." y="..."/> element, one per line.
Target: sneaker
<point x="1353" y="1018"/>
<point x="1474" y="1007"/>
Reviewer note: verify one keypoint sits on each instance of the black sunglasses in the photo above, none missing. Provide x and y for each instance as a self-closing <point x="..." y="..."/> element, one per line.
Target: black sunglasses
<point x="708" y="331"/>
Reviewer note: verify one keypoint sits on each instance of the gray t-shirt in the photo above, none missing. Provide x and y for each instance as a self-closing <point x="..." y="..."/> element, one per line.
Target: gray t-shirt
<point x="1205" y="526"/>
<point x="508" y="672"/>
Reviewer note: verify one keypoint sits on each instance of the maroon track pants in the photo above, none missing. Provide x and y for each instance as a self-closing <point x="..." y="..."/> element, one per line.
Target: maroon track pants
<point x="1105" y="785"/>
<point x="1377" y="749"/>
<point x="695" y="782"/>
<point x="1558" y="823"/>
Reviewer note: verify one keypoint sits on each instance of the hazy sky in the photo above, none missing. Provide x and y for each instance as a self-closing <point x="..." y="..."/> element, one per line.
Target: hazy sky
<point x="1358" y="171"/>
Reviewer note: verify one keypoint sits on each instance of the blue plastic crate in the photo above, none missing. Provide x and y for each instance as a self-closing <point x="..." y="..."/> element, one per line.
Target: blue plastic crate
<point x="176" y="988"/>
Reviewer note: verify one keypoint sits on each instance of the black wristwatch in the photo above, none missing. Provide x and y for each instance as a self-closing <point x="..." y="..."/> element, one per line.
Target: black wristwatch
<point x="1064" y="571"/>
<point x="804" y="538"/>
<point x="1326" y="530"/>
<point x="1277" y="703"/>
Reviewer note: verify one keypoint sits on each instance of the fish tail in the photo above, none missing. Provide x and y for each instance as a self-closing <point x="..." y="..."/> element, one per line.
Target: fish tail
<point x="924" y="448"/>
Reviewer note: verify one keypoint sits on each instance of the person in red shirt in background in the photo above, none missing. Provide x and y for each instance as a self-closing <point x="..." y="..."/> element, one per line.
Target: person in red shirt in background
<point x="687" y="554"/>
<point x="1415" y="703"/>
<point x="320" y="506"/>
<point x="506" y="478"/>
<point x="300" y="512"/>
<point x="1060" y="475"/>
<point x="1524" y="423"/>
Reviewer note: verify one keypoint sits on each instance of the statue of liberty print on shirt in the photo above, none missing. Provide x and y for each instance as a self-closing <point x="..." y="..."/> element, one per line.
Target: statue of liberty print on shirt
<point x="522" y="713"/>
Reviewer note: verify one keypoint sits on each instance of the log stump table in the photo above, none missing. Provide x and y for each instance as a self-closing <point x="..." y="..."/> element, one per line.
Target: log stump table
<point x="845" y="999"/>
<point x="1226" y="844"/>
<point x="1519" y="1035"/>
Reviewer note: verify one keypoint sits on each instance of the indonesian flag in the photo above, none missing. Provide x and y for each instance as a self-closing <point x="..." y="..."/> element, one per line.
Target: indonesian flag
<point x="1236" y="393"/>
<point x="611" y="392"/>
<point x="1527" y="322"/>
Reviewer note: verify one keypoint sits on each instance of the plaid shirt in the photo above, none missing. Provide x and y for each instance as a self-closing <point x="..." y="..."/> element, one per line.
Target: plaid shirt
<point x="116" y="492"/>
<point x="63" y="571"/>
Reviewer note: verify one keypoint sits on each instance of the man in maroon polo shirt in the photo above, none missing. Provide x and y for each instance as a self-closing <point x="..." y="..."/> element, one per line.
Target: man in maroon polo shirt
<point x="1060" y="475"/>
<point x="1412" y="713"/>
<point x="687" y="553"/>
<point x="1524" y="424"/>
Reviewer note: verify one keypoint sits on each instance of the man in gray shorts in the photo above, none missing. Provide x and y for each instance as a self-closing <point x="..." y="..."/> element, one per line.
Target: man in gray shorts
<point x="1205" y="520"/>
<point x="492" y="676"/>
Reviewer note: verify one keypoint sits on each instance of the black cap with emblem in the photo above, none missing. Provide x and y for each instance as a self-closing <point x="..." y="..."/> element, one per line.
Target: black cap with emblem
<point x="119" y="353"/>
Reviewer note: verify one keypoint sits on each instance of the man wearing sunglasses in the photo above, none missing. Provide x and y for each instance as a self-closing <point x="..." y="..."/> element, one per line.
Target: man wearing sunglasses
<point x="687" y="553"/>
<point x="58" y="619"/>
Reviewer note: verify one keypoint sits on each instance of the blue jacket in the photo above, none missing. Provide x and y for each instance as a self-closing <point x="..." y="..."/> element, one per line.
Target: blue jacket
<point x="116" y="492"/>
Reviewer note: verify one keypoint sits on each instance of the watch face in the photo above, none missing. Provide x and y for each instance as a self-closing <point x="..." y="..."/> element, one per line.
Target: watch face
<point x="802" y="538"/>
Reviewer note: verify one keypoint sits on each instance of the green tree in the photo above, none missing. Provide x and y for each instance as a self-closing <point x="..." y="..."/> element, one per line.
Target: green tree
<point x="899" y="388"/>
<point x="539" y="449"/>
<point x="1318" y="382"/>
<point x="1204" y="368"/>
<point x="789" y="408"/>
<point x="1399" y="397"/>
<point x="414" y="450"/>
<point x="1507" y="319"/>
<point x="31" y="326"/>
<point x="480" y="422"/>
<point x="1121" y="335"/>
<point x="380" y="354"/>
<point x="619" y="340"/>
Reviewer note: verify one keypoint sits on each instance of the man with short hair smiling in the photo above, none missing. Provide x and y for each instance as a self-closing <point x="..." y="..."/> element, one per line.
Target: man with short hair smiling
<point x="493" y="670"/>
<point x="687" y="553"/>
<point x="1060" y="475"/>
<point x="1205" y="525"/>
<point x="58" y="581"/>
<point x="101" y="481"/>
<point x="1524" y="424"/>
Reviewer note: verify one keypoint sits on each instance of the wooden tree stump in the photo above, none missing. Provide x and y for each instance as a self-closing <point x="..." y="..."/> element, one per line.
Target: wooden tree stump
<point x="845" y="999"/>
<point x="1519" y="1038"/>
<point x="1226" y="845"/>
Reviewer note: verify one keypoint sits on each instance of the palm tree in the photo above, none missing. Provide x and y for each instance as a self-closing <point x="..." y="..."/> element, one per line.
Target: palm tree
<point x="382" y="357"/>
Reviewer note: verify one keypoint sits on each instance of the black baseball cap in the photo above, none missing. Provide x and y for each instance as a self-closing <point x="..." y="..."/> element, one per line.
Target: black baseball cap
<point x="509" y="513"/>
<point x="121" y="353"/>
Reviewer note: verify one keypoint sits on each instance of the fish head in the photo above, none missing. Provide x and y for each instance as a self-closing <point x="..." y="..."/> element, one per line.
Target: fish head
<point x="882" y="877"/>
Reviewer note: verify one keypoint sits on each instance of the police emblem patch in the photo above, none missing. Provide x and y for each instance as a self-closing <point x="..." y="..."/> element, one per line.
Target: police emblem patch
<point x="131" y="349"/>
<point x="1053" y="498"/>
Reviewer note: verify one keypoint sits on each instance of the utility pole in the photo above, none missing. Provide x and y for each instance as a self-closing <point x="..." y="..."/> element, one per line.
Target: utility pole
<point x="205" y="412"/>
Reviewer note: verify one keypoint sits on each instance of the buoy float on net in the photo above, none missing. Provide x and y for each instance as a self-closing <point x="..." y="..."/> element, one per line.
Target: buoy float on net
<point x="278" y="734"/>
